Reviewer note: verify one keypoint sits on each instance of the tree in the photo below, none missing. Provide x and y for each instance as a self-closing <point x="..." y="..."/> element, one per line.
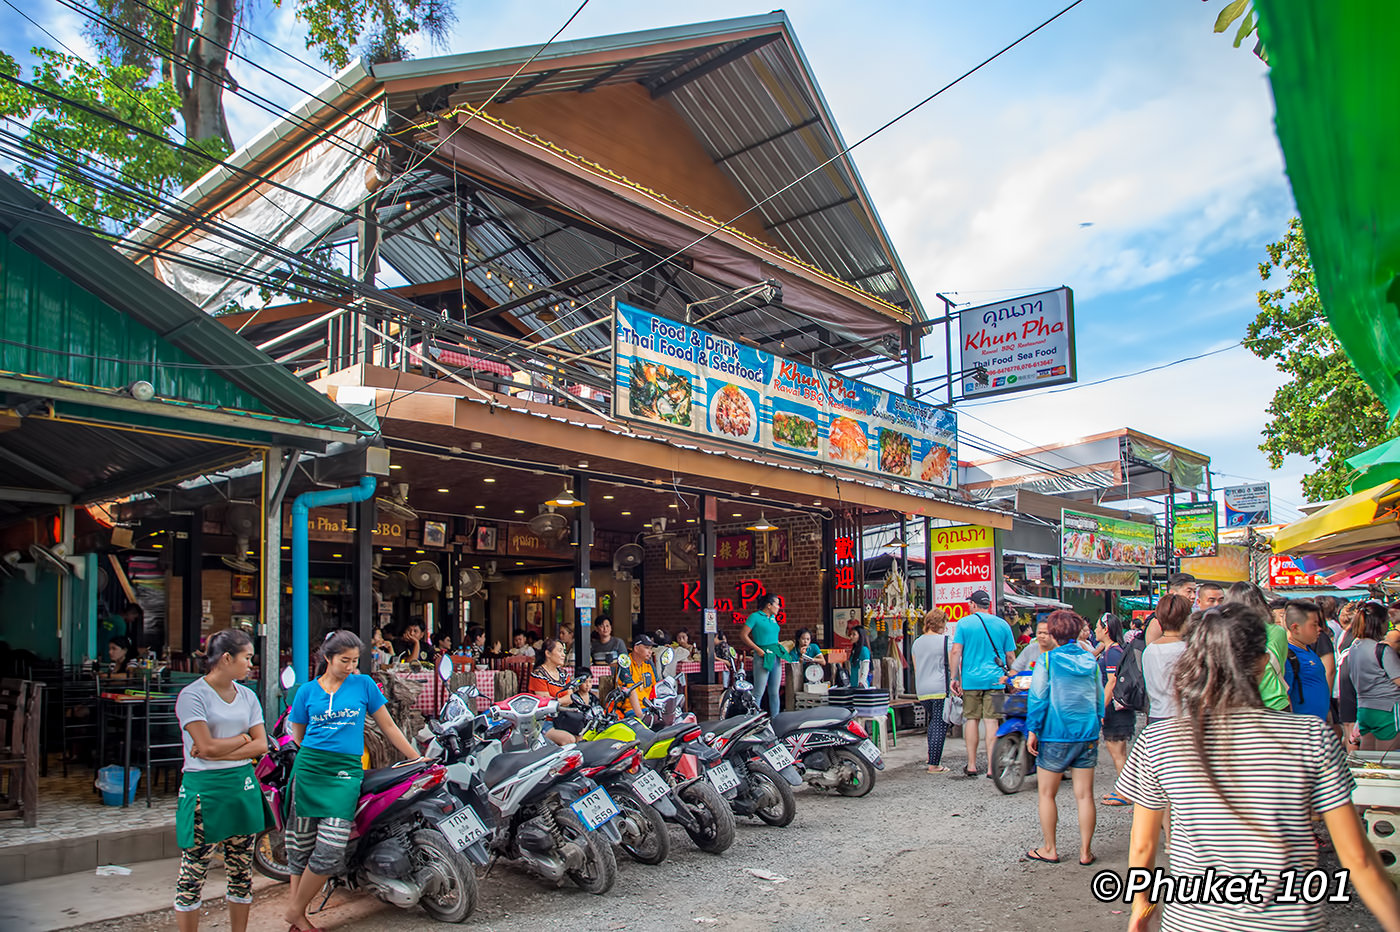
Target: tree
<point x="377" y="28"/>
<point x="1242" y="10"/>
<point x="1325" y="412"/>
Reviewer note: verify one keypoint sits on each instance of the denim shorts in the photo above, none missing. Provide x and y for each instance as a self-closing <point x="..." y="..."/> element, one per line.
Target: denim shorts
<point x="1059" y="756"/>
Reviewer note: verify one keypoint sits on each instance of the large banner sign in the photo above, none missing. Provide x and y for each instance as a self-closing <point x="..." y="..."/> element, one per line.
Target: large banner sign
<point x="1247" y="505"/>
<point x="962" y="563"/>
<point x="1194" y="532"/>
<point x="1023" y="343"/>
<point x="690" y="379"/>
<point x="1086" y="538"/>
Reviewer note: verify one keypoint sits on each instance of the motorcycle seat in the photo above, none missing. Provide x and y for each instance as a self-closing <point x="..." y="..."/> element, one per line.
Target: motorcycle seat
<point x="727" y="724"/>
<point x="785" y="723"/>
<point x="672" y="731"/>
<point x="602" y="752"/>
<point x="380" y="779"/>
<point x="503" y="765"/>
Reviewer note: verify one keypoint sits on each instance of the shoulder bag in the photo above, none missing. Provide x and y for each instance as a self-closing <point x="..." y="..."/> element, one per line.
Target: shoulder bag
<point x="952" y="705"/>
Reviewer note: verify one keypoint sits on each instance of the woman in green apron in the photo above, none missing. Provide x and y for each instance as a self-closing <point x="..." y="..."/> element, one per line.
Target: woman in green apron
<point x="761" y="633"/>
<point x="221" y="724"/>
<point x="327" y="719"/>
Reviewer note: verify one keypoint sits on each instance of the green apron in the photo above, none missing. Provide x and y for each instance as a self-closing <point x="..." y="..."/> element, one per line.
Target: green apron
<point x="772" y="653"/>
<point x="326" y="784"/>
<point x="230" y="804"/>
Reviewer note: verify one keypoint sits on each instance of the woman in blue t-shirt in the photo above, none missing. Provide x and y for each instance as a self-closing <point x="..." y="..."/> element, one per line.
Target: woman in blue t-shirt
<point x="860" y="658"/>
<point x="327" y="719"/>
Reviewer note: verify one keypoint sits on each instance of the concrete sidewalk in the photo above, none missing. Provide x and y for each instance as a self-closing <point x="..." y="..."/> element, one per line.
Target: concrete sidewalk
<point x="71" y="900"/>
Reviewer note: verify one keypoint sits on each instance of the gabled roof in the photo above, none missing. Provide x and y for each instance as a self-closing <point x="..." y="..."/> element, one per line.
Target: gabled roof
<point x="747" y="92"/>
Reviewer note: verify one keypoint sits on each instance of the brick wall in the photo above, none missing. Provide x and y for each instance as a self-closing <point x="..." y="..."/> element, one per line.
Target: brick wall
<point x="798" y="582"/>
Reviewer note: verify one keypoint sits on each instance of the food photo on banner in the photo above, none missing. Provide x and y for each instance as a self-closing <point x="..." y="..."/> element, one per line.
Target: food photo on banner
<point x="1021" y="343"/>
<point x="1194" y="532"/>
<point x="1099" y="552"/>
<point x="689" y="379"/>
<point x="1247" y="505"/>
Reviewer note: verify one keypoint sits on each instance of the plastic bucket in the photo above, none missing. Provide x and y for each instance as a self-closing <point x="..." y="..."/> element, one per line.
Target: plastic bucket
<point x="109" y="784"/>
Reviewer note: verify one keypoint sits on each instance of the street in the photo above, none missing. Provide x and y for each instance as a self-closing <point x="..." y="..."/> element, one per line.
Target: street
<point x="920" y="852"/>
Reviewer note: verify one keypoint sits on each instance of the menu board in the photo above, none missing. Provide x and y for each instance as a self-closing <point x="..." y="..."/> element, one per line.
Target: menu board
<point x="1194" y="529"/>
<point x="688" y="379"/>
<point x="1086" y="538"/>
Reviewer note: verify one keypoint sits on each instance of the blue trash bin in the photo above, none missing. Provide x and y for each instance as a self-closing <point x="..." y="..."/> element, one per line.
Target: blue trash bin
<point x="109" y="784"/>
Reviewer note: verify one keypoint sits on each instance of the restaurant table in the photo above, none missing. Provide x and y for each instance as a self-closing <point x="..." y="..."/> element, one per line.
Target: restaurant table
<point x="127" y="707"/>
<point x="431" y="698"/>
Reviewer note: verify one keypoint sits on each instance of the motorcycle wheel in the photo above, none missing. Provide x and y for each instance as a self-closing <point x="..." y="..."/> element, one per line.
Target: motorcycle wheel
<point x="862" y="781"/>
<point x="765" y="781"/>
<point x="711" y="810"/>
<point x="1008" y="762"/>
<point x="599" y="871"/>
<point x="455" y="897"/>
<point x="654" y="846"/>
<point x="270" y="855"/>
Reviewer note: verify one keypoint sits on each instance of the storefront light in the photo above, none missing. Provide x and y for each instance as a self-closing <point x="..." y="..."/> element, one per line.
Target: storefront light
<point x="565" y="499"/>
<point x="444" y="491"/>
<point x="896" y="542"/>
<point x="488" y="479"/>
<point x="762" y="524"/>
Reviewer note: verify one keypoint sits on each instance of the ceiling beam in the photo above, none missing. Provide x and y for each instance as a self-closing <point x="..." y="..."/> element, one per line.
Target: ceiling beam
<point x="813" y="121"/>
<point x="574" y="281"/>
<point x="588" y="86"/>
<point x="34" y="496"/>
<point x="40" y="472"/>
<point x="714" y="64"/>
<point x="526" y="87"/>
<point x="809" y="213"/>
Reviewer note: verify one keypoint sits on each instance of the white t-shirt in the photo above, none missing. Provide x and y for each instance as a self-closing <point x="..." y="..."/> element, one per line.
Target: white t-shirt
<point x="1276" y="768"/>
<point x="930" y="675"/>
<point x="1158" y="665"/>
<point x="198" y="702"/>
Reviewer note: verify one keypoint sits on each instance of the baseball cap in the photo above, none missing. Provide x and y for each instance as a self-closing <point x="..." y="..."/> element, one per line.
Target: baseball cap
<point x="980" y="597"/>
<point x="642" y="640"/>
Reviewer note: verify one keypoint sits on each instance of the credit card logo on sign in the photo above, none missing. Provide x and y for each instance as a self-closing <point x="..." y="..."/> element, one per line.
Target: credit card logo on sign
<point x="998" y="381"/>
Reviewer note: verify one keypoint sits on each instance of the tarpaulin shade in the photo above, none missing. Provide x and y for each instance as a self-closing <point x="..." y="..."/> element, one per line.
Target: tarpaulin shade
<point x="1336" y="82"/>
<point x="1347" y="524"/>
<point x="1379" y="464"/>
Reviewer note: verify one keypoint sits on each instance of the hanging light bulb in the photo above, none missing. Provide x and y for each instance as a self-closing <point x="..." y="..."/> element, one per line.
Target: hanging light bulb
<point x="488" y="273"/>
<point x="437" y="235"/>
<point x="565" y="499"/>
<point x="895" y="542"/>
<point x="762" y="524"/>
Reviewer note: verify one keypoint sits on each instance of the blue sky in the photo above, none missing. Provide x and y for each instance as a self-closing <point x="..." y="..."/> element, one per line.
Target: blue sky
<point x="1133" y="117"/>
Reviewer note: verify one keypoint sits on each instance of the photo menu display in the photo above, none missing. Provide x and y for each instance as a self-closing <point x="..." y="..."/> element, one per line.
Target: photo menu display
<point x="690" y="379"/>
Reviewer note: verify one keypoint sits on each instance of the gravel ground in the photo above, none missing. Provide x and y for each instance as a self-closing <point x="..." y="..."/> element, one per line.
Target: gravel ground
<point x="920" y="852"/>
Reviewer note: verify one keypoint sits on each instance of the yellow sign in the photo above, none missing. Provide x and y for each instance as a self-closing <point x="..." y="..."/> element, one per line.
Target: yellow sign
<point x="961" y="537"/>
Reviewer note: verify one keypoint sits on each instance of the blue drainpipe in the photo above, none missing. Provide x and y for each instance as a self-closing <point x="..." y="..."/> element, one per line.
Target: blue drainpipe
<point x="301" y="584"/>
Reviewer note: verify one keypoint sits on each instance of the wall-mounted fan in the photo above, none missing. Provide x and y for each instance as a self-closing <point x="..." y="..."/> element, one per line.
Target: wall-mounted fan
<point x="469" y="582"/>
<point x="658" y="530"/>
<point x="396" y="505"/>
<point x="627" y="558"/>
<point x="10" y="565"/>
<point x="493" y="575"/>
<point x="376" y="567"/>
<point x="425" y="575"/>
<point x="53" y="559"/>
<point x="683" y="551"/>
<point x="548" y="526"/>
<point x="241" y="519"/>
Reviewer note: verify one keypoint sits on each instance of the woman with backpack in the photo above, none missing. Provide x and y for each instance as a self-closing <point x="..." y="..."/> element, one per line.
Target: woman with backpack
<point x="1373" y="669"/>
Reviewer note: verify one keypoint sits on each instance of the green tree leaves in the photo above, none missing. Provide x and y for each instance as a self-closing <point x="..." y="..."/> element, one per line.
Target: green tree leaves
<point x="1325" y="412"/>
<point x="337" y="29"/>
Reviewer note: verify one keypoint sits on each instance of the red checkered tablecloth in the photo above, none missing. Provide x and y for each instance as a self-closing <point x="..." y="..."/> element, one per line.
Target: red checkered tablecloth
<point x="455" y="359"/>
<point x="430" y="700"/>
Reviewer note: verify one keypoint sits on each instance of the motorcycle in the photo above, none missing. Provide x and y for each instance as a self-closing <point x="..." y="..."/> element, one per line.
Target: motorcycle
<point x="673" y="756"/>
<point x="547" y="815"/>
<point x="831" y="749"/>
<point x="407" y="843"/>
<point x="1010" y="763"/>
<point x="762" y="771"/>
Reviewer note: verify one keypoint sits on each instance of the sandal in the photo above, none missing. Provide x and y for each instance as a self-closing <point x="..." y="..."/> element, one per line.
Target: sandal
<point x="969" y="774"/>
<point x="937" y="768"/>
<point x="1033" y="855"/>
<point x="1113" y="799"/>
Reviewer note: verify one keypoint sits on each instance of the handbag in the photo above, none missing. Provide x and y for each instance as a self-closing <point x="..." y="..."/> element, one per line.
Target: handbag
<point x="952" y="705"/>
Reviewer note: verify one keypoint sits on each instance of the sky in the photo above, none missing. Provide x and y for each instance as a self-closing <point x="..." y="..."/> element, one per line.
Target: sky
<point x="1125" y="150"/>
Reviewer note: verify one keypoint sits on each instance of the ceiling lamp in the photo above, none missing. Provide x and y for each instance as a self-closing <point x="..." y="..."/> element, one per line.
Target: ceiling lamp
<point x="565" y="499"/>
<point x="762" y="524"/>
<point x="896" y="542"/>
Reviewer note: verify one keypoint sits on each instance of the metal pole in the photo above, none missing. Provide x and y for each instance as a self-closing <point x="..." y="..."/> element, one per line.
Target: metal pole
<point x="583" y="535"/>
<point x="193" y="563"/>
<point x="948" y="345"/>
<point x="905" y="622"/>
<point x="271" y="563"/>
<point x="828" y="565"/>
<point x="362" y="575"/>
<point x="708" y="508"/>
<point x="1173" y="565"/>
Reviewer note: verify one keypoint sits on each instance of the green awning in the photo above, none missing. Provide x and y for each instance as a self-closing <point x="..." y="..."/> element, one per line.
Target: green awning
<point x="1336" y="82"/>
<point x="1377" y="465"/>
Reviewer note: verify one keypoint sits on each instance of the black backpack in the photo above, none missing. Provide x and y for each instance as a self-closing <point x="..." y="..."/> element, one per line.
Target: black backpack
<point x="1130" y="690"/>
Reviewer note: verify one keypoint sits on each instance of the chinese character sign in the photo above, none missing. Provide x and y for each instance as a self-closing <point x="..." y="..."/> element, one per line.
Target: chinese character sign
<point x="734" y="551"/>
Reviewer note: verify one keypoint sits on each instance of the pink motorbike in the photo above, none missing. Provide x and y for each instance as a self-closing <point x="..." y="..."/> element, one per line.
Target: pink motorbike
<point x="410" y="842"/>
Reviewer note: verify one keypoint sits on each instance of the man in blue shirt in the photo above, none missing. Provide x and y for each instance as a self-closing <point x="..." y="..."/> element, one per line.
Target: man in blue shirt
<point x="1303" y="673"/>
<point x="983" y="646"/>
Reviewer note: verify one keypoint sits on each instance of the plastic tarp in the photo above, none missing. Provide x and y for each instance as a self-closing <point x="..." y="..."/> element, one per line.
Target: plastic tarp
<point x="1336" y="82"/>
<point x="1187" y="470"/>
<point x="1374" y="466"/>
<point x="332" y="170"/>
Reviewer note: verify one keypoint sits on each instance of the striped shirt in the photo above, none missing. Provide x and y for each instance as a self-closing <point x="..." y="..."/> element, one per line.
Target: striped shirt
<point x="1276" y="768"/>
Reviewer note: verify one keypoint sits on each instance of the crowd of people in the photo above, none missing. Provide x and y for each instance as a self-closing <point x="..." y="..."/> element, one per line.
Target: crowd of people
<point x="1248" y="703"/>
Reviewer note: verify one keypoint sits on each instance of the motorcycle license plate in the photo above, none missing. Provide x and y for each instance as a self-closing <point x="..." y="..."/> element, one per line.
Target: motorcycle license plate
<point x="723" y="777"/>
<point x="463" y="828"/>
<point x="778" y="757"/>
<point x="868" y="751"/>
<point x="650" y="787"/>
<point x="595" y="809"/>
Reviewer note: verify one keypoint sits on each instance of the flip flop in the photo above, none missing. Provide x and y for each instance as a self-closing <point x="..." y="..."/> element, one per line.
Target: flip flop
<point x="1113" y="799"/>
<point x="969" y="774"/>
<point x="1092" y="859"/>
<point x="937" y="768"/>
<point x="1032" y="856"/>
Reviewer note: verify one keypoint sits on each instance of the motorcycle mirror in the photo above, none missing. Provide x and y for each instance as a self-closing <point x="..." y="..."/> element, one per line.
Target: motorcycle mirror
<point x="289" y="677"/>
<point x="444" y="668"/>
<point x="667" y="655"/>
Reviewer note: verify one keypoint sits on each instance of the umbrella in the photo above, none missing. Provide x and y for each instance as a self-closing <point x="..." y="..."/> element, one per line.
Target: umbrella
<point x="1366" y="518"/>
<point x="1375" y="466"/>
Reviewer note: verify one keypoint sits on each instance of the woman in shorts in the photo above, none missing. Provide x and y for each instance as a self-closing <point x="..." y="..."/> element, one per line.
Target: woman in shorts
<point x="1118" y="722"/>
<point x="1373" y="669"/>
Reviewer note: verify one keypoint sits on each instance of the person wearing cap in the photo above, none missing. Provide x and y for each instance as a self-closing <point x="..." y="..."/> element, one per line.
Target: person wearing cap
<point x="635" y="669"/>
<point x="983" y="647"/>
